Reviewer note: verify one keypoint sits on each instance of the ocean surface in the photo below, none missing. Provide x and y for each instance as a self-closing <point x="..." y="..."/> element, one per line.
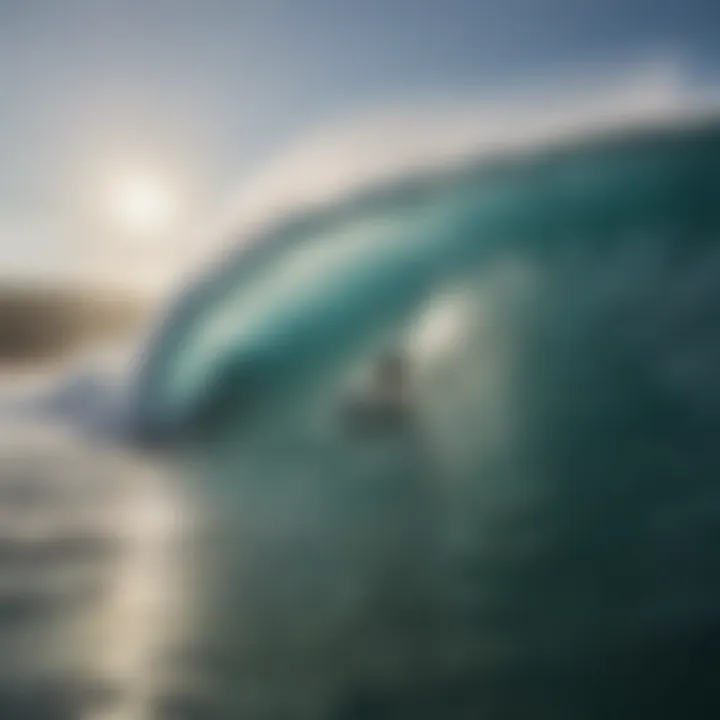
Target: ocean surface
<point x="536" y="536"/>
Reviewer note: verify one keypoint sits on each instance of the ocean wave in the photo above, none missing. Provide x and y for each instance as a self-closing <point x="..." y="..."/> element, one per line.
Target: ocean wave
<point x="537" y="538"/>
<point x="370" y="257"/>
<point x="449" y="444"/>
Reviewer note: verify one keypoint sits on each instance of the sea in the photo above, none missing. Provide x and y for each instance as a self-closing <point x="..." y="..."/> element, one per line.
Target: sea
<point x="529" y="527"/>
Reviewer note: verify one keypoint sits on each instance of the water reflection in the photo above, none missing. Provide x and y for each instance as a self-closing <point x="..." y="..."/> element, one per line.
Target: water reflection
<point x="91" y="590"/>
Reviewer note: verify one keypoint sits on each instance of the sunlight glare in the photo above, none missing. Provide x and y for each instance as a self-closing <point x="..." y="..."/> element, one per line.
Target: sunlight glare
<point x="142" y="204"/>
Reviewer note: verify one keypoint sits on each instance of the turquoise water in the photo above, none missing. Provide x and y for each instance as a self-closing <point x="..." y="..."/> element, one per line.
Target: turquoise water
<point x="317" y="287"/>
<point x="541" y="541"/>
<point x="537" y="539"/>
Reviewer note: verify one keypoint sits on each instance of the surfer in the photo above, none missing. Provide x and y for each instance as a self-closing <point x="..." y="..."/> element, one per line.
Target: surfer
<point x="384" y="406"/>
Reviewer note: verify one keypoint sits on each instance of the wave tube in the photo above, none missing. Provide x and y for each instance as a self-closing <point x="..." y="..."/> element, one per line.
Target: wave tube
<point x="539" y="537"/>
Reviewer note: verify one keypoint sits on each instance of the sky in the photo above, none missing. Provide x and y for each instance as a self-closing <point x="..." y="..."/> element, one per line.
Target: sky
<point x="123" y="123"/>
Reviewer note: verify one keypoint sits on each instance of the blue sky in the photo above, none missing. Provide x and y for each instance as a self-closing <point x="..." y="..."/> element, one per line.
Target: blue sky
<point x="214" y="86"/>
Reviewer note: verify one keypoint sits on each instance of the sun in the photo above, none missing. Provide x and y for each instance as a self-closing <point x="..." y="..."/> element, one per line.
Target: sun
<point x="142" y="203"/>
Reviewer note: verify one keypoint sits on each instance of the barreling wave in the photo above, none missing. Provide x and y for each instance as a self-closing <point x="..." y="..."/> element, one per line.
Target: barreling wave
<point x="540" y="539"/>
<point x="533" y="536"/>
<point x="319" y="283"/>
